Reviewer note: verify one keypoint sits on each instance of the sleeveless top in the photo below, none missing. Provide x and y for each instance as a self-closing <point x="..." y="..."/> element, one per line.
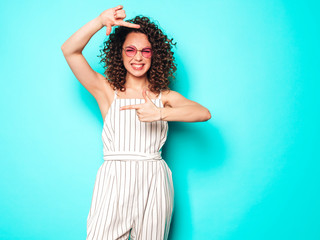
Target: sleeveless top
<point x="125" y="137"/>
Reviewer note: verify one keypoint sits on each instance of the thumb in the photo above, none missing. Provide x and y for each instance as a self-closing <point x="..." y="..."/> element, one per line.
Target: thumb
<point x="145" y="95"/>
<point x="108" y="28"/>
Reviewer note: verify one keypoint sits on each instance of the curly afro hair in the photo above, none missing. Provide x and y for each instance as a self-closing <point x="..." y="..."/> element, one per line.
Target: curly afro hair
<point x="163" y="64"/>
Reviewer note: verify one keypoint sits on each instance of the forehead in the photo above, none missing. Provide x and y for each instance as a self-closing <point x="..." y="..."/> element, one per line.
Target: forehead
<point x="139" y="40"/>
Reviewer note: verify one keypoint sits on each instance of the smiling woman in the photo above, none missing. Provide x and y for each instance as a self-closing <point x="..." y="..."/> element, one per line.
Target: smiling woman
<point x="146" y="46"/>
<point x="133" y="194"/>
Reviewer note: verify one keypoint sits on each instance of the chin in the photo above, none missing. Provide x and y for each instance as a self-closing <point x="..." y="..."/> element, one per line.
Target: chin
<point x="137" y="74"/>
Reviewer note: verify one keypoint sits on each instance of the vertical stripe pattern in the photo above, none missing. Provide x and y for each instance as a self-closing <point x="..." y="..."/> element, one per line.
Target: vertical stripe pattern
<point x="133" y="193"/>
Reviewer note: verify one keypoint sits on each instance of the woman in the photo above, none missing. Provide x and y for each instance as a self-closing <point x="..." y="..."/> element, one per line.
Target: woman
<point x="133" y="193"/>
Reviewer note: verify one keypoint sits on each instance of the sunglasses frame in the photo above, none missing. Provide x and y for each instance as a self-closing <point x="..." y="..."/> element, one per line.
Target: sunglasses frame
<point x="138" y="51"/>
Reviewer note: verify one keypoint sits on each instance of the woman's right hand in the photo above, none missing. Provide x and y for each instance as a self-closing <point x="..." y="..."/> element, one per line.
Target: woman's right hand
<point x="114" y="17"/>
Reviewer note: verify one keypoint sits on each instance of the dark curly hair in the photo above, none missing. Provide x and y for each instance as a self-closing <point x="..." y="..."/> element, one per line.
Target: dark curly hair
<point x="163" y="66"/>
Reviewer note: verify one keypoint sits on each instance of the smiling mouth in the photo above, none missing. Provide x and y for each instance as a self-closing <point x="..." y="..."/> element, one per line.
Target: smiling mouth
<point x="137" y="66"/>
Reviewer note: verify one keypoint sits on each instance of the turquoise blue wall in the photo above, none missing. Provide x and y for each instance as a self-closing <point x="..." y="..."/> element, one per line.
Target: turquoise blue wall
<point x="251" y="172"/>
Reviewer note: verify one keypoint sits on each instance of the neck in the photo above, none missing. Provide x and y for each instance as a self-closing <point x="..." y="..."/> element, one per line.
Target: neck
<point x="136" y="83"/>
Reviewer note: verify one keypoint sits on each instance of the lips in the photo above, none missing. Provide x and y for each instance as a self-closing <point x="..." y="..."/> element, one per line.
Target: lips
<point x="137" y="66"/>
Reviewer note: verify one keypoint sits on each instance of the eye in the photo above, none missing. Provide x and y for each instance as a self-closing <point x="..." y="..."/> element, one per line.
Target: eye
<point x="147" y="50"/>
<point x="130" y="50"/>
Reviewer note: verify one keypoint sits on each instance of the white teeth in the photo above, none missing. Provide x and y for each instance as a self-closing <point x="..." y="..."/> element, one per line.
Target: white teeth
<point x="137" y="66"/>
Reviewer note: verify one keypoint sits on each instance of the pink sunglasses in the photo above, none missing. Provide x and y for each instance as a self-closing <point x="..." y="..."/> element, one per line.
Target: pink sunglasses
<point x="131" y="51"/>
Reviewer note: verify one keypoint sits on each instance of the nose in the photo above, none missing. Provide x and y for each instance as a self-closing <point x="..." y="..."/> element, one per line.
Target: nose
<point x="138" y="56"/>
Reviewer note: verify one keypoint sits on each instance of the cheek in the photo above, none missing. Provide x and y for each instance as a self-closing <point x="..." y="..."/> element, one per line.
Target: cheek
<point x="124" y="57"/>
<point x="148" y="65"/>
<point x="149" y="62"/>
<point x="125" y="61"/>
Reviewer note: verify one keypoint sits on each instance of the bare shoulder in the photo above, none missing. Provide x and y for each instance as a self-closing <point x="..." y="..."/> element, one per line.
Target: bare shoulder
<point x="172" y="98"/>
<point x="165" y="95"/>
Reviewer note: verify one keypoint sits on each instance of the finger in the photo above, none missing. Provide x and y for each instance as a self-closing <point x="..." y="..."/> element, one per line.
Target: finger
<point x="120" y="14"/>
<point x="145" y="95"/>
<point x="127" y="24"/>
<point x="118" y="7"/>
<point x="136" y="106"/>
<point x="108" y="29"/>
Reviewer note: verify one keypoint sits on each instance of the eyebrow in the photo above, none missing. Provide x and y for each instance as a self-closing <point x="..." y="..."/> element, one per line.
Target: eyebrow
<point x="136" y="47"/>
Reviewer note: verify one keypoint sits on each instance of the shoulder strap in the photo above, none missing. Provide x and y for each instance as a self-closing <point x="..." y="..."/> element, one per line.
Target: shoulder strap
<point x="159" y="97"/>
<point x="115" y="94"/>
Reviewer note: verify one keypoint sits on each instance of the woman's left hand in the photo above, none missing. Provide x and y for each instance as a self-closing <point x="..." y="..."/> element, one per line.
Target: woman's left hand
<point x="148" y="111"/>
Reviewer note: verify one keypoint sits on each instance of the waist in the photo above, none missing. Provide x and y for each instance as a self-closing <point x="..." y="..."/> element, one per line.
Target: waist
<point x="125" y="156"/>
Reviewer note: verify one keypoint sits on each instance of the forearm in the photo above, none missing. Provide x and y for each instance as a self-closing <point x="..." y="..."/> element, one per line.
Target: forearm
<point x="77" y="42"/>
<point x="190" y="113"/>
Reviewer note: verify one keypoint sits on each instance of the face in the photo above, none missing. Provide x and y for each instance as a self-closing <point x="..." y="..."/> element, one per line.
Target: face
<point x="137" y="65"/>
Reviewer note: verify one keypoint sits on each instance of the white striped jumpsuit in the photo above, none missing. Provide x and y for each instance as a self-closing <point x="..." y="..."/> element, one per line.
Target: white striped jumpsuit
<point x="133" y="192"/>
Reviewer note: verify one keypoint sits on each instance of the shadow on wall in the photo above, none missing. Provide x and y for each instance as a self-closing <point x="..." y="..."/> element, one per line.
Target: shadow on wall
<point x="192" y="146"/>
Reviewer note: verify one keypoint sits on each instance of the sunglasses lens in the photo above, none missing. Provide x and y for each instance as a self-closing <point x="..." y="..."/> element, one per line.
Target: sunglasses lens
<point x="147" y="53"/>
<point x="131" y="52"/>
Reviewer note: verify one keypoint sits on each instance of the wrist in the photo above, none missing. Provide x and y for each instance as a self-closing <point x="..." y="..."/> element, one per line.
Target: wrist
<point x="99" y="21"/>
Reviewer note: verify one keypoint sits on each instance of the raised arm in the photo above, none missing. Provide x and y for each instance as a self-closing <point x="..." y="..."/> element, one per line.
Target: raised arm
<point x="72" y="49"/>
